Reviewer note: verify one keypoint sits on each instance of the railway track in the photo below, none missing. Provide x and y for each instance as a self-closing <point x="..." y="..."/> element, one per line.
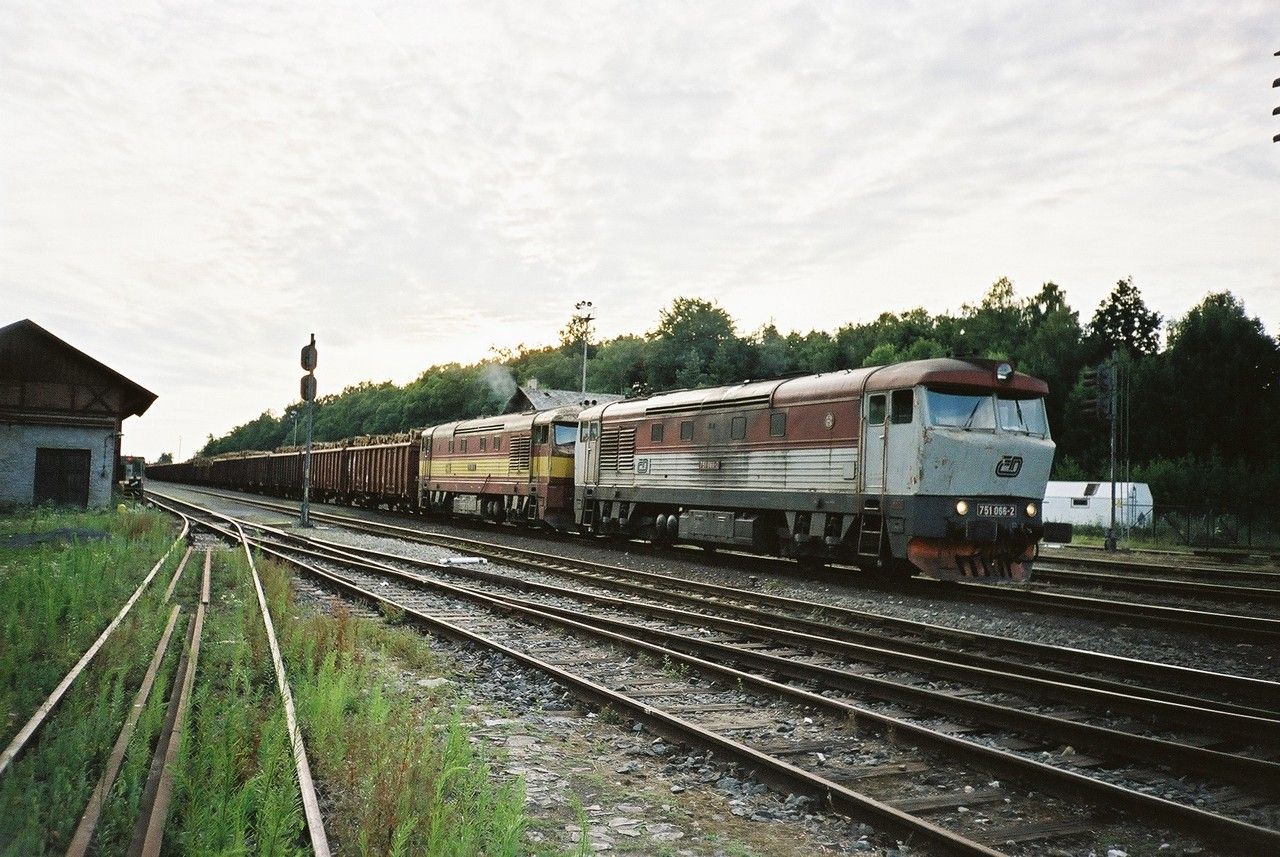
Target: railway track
<point x="1216" y="623"/>
<point x="148" y="835"/>
<point x="832" y="674"/>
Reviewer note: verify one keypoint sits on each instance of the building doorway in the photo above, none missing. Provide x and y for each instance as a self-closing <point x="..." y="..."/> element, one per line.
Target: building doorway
<point x="62" y="477"/>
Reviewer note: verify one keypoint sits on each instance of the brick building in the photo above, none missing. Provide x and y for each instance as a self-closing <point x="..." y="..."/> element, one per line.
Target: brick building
<point x="61" y="413"/>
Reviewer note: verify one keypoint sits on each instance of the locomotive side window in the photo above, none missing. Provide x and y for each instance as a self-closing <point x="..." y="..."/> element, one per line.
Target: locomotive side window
<point x="738" y="428"/>
<point x="584" y="431"/>
<point x="778" y="424"/>
<point x="655" y="433"/>
<point x="1025" y="415"/>
<point x="595" y="431"/>
<point x="876" y="410"/>
<point x="451" y="446"/>
<point x="540" y="434"/>
<point x="686" y="430"/>
<point x="497" y="443"/>
<point x="961" y="411"/>
<point x="484" y="444"/>
<point x="464" y="444"/>
<point x="903" y="407"/>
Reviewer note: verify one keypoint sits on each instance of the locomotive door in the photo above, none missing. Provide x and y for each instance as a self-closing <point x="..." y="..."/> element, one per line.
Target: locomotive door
<point x="874" y="418"/>
<point x="890" y="436"/>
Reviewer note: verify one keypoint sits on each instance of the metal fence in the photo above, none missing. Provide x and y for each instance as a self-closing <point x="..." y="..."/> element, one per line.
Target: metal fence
<point x="1205" y="527"/>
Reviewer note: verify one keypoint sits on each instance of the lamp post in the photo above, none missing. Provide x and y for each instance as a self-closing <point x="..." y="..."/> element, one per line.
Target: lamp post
<point x="584" y="310"/>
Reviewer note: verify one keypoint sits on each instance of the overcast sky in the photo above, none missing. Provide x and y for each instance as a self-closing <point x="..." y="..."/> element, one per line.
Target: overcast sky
<point x="188" y="189"/>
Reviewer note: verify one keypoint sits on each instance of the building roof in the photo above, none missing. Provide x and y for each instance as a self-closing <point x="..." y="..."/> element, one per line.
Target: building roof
<point x="20" y="360"/>
<point x="539" y="399"/>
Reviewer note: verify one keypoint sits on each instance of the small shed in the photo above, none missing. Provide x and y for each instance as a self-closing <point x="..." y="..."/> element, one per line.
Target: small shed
<point x="61" y="414"/>
<point x="1089" y="504"/>
<point x="531" y="397"/>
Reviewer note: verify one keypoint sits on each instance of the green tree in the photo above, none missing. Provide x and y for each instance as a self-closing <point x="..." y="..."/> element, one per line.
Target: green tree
<point x="690" y="335"/>
<point x="1123" y="322"/>
<point x="1222" y="371"/>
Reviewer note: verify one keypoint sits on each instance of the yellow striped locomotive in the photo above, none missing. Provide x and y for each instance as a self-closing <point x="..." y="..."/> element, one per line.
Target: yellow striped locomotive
<point x="934" y="466"/>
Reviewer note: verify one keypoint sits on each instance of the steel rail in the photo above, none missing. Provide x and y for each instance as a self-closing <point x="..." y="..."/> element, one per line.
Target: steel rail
<point x="149" y="831"/>
<point x="905" y="653"/>
<point x="1231" y="767"/>
<point x="310" y="800"/>
<point x="80" y="839"/>
<point x="306" y="783"/>
<point x="42" y="713"/>
<point x="1231" y="626"/>
<point x="839" y="797"/>
<point x="1228" y="685"/>
<point x="1194" y="572"/>
<point x="1196" y="821"/>
<point x="1162" y="585"/>
<point x="1193" y="820"/>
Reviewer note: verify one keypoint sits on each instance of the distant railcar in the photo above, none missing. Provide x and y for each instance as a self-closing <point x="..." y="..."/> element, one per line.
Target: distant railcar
<point x="936" y="466"/>
<point x="515" y="467"/>
<point x="131" y="475"/>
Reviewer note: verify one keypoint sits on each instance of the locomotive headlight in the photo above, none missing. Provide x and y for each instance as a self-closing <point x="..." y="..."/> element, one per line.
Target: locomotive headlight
<point x="1031" y="510"/>
<point x="962" y="508"/>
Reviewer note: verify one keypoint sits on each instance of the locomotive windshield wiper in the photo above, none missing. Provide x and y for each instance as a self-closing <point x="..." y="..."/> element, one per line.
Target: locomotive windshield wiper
<point x="972" y="414"/>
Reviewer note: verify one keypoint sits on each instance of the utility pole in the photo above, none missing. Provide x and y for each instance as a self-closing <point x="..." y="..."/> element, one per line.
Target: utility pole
<point x="1111" y="393"/>
<point x="308" y="396"/>
<point x="586" y="318"/>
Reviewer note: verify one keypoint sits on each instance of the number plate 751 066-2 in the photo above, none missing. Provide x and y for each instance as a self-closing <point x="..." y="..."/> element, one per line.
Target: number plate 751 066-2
<point x="996" y="510"/>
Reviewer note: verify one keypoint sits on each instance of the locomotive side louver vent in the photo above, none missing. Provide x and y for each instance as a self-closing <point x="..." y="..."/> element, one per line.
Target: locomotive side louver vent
<point x="754" y="401"/>
<point x="618" y="449"/>
<point x="518" y="455"/>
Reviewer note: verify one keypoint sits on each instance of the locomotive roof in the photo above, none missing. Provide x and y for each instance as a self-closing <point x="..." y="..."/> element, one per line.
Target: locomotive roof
<point x="828" y="386"/>
<point x="504" y="422"/>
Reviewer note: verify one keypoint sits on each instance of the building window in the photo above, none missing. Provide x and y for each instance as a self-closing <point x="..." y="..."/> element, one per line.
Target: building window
<point x="655" y="432"/>
<point x="876" y="410"/>
<point x="738" y="428"/>
<point x="686" y="430"/>
<point x="903" y="406"/>
<point x="778" y="424"/>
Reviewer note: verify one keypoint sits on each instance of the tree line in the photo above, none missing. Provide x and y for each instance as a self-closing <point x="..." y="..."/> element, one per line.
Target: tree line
<point x="1203" y="409"/>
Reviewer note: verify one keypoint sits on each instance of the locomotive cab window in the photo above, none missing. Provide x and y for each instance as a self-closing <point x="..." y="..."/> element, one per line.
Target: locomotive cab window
<point x="564" y="437"/>
<point x="655" y="433"/>
<point x="876" y="410"/>
<point x="960" y="410"/>
<point x="540" y="434"/>
<point x="778" y="424"/>
<point x="738" y="428"/>
<point x="1022" y="415"/>
<point x="903" y="407"/>
<point x="686" y="430"/>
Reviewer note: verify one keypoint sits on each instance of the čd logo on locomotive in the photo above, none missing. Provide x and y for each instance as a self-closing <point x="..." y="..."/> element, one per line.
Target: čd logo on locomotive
<point x="1009" y="466"/>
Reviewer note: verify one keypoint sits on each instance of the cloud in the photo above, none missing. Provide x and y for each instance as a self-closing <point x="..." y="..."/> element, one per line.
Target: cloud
<point x="186" y="191"/>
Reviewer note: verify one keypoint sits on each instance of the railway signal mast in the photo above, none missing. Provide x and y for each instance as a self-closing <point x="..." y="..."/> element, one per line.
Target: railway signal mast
<point x="308" y="396"/>
<point x="1101" y="386"/>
